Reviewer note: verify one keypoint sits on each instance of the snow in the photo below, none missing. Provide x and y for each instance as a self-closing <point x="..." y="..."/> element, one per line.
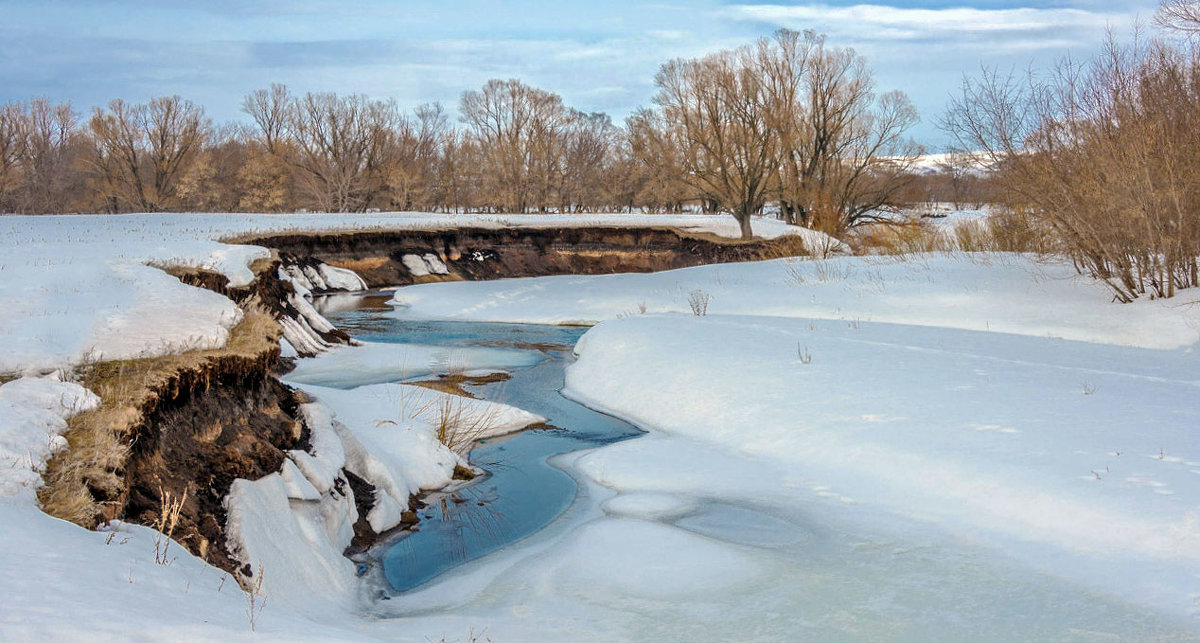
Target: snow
<point x="33" y="417"/>
<point x="980" y="447"/>
<point x="909" y="437"/>
<point x="988" y="292"/>
<point x="932" y="163"/>
<point x="390" y="431"/>
<point x="999" y="413"/>
<point x="656" y="562"/>
<point x="341" y="278"/>
<point x="61" y="582"/>
<point x="80" y="287"/>
<point x="323" y="277"/>
<point x="416" y="265"/>
<point x="377" y="363"/>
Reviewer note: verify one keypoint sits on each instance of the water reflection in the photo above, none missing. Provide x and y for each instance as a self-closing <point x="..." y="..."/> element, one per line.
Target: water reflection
<point x="521" y="492"/>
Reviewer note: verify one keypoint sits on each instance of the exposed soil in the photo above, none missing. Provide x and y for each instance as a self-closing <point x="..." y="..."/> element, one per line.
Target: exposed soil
<point x="181" y="424"/>
<point x="476" y="254"/>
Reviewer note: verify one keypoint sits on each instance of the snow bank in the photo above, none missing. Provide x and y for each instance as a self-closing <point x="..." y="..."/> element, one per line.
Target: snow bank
<point x="991" y="292"/>
<point x="1027" y="443"/>
<point x="302" y="332"/>
<point x="61" y="582"/>
<point x="33" y="417"/>
<point x="295" y="529"/>
<point x="322" y="277"/>
<point x="391" y="435"/>
<point x="64" y="583"/>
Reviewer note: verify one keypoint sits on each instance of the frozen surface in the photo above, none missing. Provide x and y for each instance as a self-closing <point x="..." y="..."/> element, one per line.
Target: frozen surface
<point x="355" y="366"/>
<point x="1029" y="444"/>
<point x="952" y="447"/>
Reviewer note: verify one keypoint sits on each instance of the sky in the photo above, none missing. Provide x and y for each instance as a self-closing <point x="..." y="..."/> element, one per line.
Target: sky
<point x="600" y="56"/>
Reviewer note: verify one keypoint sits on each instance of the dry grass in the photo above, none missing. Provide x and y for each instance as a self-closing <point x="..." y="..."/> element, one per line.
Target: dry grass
<point x="698" y="300"/>
<point x="459" y="421"/>
<point x="911" y="236"/>
<point x="459" y="418"/>
<point x="168" y="520"/>
<point x="1003" y="231"/>
<point x="99" y="440"/>
<point x="252" y="585"/>
<point x="786" y="246"/>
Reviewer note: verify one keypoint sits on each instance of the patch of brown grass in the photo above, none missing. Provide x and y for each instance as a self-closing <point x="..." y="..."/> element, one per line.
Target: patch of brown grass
<point x="911" y="236"/>
<point x="784" y="247"/>
<point x="453" y="383"/>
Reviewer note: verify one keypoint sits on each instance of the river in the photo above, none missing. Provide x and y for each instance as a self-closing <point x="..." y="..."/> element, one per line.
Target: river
<point x="520" y="492"/>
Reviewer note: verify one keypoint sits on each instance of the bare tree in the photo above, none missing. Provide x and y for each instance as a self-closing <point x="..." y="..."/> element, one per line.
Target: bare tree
<point x="845" y="155"/>
<point x="788" y="118"/>
<point x="12" y="148"/>
<point x="412" y="170"/>
<point x="587" y="155"/>
<point x="1102" y="156"/>
<point x="271" y="111"/>
<point x="49" y="155"/>
<point x="655" y="175"/>
<point x="1179" y="15"/>
<point x="518" y="130"/>
<point x="139" y="152"/>
<point x="715" y="111"/>
<point x="265" y="180"/>
<point x="342" y="146"/>
<point x="212" y="182"/>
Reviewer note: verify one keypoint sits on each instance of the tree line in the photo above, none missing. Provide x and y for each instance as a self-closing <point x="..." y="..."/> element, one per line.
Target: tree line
<point x="789" y="123"/>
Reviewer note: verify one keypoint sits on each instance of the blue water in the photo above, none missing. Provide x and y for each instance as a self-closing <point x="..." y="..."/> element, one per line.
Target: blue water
<point x="521" y="492"/>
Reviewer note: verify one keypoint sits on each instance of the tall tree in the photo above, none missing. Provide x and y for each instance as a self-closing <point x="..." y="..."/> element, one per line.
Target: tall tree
<point x="139" y="152"/>
<point x="715" y="111"/>
<point x="12" y="148"/>
<point x="518" y="130"/>
<point x="844" y="151"/>
<point x="342" y="148"/>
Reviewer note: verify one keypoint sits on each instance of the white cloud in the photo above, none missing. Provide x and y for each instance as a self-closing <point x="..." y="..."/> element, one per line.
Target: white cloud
<point x="868" y="22"/>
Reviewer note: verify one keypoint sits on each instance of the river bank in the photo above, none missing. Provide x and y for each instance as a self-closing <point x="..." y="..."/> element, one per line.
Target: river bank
<point x="766" y="502"/>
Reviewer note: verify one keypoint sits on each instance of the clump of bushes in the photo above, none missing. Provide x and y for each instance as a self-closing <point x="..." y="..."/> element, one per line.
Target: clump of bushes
<point x="1098" y="161"/>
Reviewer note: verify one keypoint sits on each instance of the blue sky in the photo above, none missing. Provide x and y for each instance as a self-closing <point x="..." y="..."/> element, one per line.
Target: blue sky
<point x="600" y="56"/>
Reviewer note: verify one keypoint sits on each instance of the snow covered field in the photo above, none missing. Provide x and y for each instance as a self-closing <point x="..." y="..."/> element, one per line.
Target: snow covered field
<point x="1002" y="409"/>
<point x="943" y="448"/>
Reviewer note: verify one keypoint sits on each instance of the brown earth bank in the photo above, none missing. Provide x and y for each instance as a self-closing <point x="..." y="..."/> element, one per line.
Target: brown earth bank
<point x="183" y="427"/>
<point x="476" y="254"/>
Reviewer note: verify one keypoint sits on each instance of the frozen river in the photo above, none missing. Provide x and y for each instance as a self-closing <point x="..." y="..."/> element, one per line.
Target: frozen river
<point x="666" y="538"/>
